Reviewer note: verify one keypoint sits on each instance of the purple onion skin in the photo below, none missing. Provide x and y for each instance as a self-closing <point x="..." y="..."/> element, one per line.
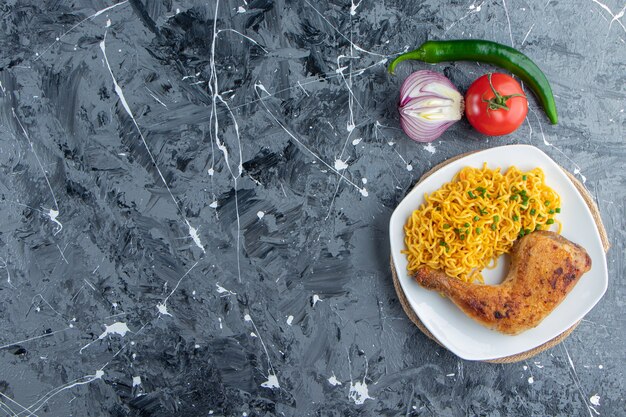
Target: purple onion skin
<point x="429" y="104"/>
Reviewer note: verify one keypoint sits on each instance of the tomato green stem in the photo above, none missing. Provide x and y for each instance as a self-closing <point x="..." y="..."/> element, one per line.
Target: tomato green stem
<point x="499" y="101"/>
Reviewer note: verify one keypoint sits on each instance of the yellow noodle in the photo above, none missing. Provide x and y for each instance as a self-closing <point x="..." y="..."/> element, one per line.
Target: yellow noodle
<point x="465" y="225"/>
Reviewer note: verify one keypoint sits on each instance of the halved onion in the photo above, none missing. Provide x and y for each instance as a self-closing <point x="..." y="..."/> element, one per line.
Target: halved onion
<point x="429" y="104"/>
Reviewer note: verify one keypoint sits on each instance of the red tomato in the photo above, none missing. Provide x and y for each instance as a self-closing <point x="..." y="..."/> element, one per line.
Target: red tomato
<point x="495" y="108"/>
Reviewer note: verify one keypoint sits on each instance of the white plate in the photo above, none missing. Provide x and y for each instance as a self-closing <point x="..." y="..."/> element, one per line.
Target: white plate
<point x="462" y="335"/>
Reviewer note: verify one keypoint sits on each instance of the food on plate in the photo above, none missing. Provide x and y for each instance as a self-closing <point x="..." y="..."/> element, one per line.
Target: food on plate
<point x="544" y="268"/>
<point x="495" y="104"/>
<point x="466" y="224"/>
<point x="492" y="53"/>
<point x="429" y="104"/>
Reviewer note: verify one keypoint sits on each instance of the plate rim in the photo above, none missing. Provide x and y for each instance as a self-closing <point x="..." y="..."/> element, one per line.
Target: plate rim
<point x="404" y="279"/>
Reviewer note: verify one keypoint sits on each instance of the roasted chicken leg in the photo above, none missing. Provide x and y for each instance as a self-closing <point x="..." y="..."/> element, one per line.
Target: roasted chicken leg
<point x="544" y="268"/>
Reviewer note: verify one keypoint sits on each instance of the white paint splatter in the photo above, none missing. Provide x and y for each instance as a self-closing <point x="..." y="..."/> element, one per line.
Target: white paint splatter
<point x="252" y="334"/>
<point x="260" y="214"/>
<point x="223" y="290"/>
<point x="582" y="177"/>
<point x="241" y="9"/>
<point x="99" y="374"/>
<point x="211" y="171"/>
<point x="118" y="328"/>
<point x="595" y="400"/>
<point x="359" y="392"/>
<point x="528" y="33"/>
<point x="247" y="317"/>
<point x="334" y="381"/>
<point x="136" y="381"/>
<point x="289" y="320"/>
<point x="177" y="10"/>
<point x="600" y="366"/>
<point x="524" y="367"/>
<point x="453" y="374"/>
<point x="357" y="141"/>
<point x="615" y="17"/>
<point x="213" y="205"/>
<point x="340" y="70"/>
<point x="364" y="180"/>
<point x="53" y="214"/>
<point x="108" y="23"/>
<point x="316" y="298"/>
<point x="219" y="319"/>
<point x="508" y="20"/>
<point x="272" y="382"/>
<point x="409" y="167"/>
<point x="340" y="165"/>
<point x="353" y="8"/>
<point x="430" y="148"/>
<point x="531" y="380"/>
<point x="162" y="308"/>
<point x="193" y="233"/>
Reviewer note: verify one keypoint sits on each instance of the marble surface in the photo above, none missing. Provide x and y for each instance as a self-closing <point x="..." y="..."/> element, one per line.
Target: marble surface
<point x="195" y="199"/>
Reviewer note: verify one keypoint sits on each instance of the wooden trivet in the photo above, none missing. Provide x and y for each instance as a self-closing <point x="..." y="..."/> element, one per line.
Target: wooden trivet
<point x="550" y="343"/>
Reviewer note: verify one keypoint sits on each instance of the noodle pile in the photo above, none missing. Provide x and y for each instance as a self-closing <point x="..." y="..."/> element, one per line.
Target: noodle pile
<point x="466" y="224"/>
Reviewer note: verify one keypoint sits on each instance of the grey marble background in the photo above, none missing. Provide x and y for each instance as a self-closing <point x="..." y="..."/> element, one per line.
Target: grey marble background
<point x="195" y="199"/>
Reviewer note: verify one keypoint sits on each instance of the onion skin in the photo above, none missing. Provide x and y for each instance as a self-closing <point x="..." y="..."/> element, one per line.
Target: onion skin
<point x="429" y="104"/>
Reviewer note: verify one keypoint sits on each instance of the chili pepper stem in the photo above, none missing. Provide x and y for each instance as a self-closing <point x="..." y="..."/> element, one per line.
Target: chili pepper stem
<point x="416" y="54"/>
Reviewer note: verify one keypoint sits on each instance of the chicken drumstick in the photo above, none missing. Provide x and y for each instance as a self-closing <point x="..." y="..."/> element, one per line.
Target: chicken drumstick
<point x="544" y="268"/>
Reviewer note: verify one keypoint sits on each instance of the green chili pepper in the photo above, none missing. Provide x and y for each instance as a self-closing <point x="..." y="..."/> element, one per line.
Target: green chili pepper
<point x="492" y="53"/>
